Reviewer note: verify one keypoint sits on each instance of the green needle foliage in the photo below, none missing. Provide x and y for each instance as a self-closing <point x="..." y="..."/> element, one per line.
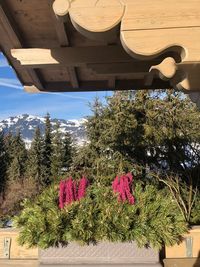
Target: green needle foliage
<point x="3" y="164"/>
<point x="152" y="221"/>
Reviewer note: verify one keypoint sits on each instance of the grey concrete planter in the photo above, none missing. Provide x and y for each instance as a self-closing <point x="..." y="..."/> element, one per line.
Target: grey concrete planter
<point x="103" y="254"/>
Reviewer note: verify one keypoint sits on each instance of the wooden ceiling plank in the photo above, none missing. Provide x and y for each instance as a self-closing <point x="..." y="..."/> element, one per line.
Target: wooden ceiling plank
<point x="17" y="42"/>
<point x="13" y="36"/>
<point x="117" y="68"/>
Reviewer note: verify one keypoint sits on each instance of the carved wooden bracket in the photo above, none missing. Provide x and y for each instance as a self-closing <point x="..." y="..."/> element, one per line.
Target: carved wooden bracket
<point x="147" y="29"/>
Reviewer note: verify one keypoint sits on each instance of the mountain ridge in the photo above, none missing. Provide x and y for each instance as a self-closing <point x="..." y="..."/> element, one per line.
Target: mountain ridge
<point x="27" y="124"/>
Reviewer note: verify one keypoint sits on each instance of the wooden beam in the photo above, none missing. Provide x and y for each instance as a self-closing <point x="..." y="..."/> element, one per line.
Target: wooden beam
<point x="61" y="31"/>
<point x="17" y="42"/>
<point x="127" y="67"/>
<point x="61" y="7"/>
<point x="70" y="56"/>
<point x="88" y="86"/>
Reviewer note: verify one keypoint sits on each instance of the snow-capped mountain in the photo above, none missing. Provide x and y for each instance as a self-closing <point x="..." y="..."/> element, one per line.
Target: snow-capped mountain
<point x="27" y="124"/>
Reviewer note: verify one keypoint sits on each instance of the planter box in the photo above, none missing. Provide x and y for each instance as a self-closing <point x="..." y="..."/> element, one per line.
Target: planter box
<point x="187" y="253"/>
<point x="103" y="254"/>
<point x="10" y="249"/>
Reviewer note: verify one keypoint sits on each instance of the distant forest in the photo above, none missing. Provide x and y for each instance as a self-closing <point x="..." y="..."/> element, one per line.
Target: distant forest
<point x="26" y="172"/>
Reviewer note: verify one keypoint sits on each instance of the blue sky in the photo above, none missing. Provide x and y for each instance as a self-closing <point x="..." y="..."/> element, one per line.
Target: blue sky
<point x="14" y="101"/>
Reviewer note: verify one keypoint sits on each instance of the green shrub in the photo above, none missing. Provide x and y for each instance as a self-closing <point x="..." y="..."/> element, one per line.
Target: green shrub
<point x="153" y="220"/>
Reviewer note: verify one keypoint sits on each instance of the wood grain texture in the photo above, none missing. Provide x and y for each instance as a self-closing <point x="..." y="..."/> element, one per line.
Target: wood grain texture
<point x="16" y="251"/>
<point x="97" y="16"/>
<point x="61" y="7"/>
<point x="148" y="14"/>
<point x="148" y="29"/>
<point x="70" y="56"/>
<point x="19" y="263"/>
<point x="179" y="250"/>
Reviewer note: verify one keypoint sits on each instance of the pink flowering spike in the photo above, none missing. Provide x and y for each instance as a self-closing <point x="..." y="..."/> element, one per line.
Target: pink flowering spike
<point x="62" y="194"/>
<point x="70" y="190"/>
<point x="82" y="188"/>
<point x="115" y="184"/>
<point x="122" y="189"/>
<point x="67" y="192"/>
<point x="75" y="190"/>
<point x="130" y="177"/>
<point x="129" y="196"/>
<point x="123" y="186"/>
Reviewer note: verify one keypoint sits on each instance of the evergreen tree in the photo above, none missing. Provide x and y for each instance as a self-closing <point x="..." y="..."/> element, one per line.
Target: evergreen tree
<point x="56" y="159"/>
<point x="95" y="125"/>
<point x="18" y="157"/>
<point x="34" y="164"/>
<point x="67" y="151"/>
<point x="8" y="141"/>
<point x="47" y="152"/>
<point x="3" y="164"/>
<point x="149" y="128"/>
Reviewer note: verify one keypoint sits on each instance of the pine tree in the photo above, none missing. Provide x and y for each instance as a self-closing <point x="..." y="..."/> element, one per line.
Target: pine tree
<point x="149" y="128"/>
<point x="47" y="152"/>
<point x="95" y="125"/>
<point x="18" y="158"/>
<point x="56" y="159"/>
<point x="34" y="164"/>
<point x="3" y="164"/>
<point x="67" y="151"/>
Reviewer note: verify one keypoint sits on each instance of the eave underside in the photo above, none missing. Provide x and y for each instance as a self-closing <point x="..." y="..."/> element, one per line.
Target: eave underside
<point x="99" y="65"/>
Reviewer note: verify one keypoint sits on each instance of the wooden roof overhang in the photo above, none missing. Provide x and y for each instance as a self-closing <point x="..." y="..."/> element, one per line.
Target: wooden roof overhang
<point x="83" y="45"/>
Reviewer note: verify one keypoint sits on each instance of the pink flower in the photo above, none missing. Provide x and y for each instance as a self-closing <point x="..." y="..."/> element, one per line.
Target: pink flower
<point x="115" y="184"/>
<point x="122" y="189"/>
<point x="82" y="188"/>
<point x="62" y="194"/>
<point x="75" y="191"/>
<point x="130" y="177"/>
<point x="70" y="191"/>
<point x="127" y="186"/>
<point x="122" y="186"/>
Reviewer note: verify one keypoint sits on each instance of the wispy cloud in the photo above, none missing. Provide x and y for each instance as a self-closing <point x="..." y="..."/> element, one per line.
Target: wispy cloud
<point x="67" y="95"/>
<point x="10" y="83"/>
<point x="14" y="83"/>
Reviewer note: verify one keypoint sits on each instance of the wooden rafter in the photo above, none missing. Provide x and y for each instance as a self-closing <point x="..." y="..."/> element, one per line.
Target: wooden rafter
<point x="60" y="27"/>
<point x="17" y="42"/>
<point x="88" y="86"/>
